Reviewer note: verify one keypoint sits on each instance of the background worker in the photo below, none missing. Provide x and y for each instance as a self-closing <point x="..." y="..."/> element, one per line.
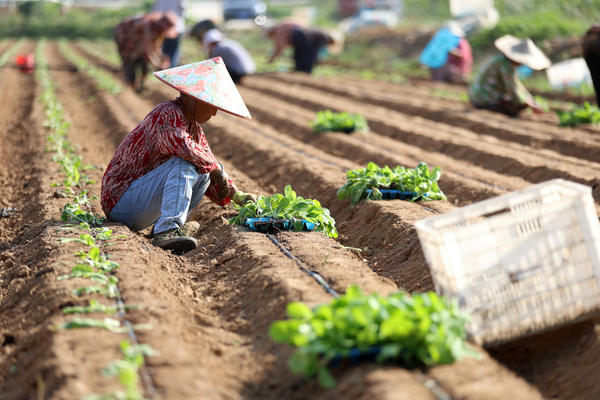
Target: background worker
<point x="172" y="42"/>
<point x="306" y="42"/>
<point x="497" y="86"/>
<point x="591" y="54"/>
<point x="457" y="68"/>
<point x="238" y="61"/>
<point x="200" y="28"/>
<point x="139" y="41"/>
<point x="164" y="166"/>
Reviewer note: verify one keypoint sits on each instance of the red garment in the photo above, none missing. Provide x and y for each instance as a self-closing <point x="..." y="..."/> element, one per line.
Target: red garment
<point x="162" y="135"/>
<point x="462" y="57"/>
<point x="141" y="38"/>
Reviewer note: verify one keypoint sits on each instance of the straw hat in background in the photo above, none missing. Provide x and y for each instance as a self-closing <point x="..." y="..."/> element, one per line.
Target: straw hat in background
<point x="523" y="51"/>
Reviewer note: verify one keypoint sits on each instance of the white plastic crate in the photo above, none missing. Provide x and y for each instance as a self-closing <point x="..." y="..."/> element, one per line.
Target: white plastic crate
<point x="520" y="263"/>
<point x="569" y="73"/>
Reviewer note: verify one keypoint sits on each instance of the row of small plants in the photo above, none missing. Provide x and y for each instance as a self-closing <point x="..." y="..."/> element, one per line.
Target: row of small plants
<point x="103" y="80"/>
<point x="10" y="51"/>
<point x="104" y="49"/>
<point x="418" y="330"/>
<point x="93" y="264"/>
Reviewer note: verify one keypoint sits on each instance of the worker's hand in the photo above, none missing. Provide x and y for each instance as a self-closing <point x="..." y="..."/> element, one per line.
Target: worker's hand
<point x="240" y="198"/>
<point x="221" y="179"/>
<point x="537" y="109"/>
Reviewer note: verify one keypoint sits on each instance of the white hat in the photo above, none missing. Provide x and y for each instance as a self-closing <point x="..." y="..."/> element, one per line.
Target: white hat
<point x="455" y="28"/>
<point x="523" y="51"/>
<point x="211" y="36"/>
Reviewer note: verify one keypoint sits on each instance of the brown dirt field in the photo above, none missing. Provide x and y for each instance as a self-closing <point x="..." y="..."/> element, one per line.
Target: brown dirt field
<point x="211" y="308"/>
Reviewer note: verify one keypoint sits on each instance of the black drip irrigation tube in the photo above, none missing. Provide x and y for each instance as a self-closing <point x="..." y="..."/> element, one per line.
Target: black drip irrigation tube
<point x="313" y="274"/>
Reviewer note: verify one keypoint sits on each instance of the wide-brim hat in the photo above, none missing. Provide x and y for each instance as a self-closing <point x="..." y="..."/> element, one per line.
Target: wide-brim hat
<point x="523" y="51"/>
<point x="209" y="82"/>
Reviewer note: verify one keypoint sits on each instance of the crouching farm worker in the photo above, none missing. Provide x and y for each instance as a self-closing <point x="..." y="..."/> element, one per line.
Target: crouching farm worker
<point x="497" y="86"/>
<point x="139" y="41"/>
<point x="238" y="61"/>
<point x="163" y="167"/>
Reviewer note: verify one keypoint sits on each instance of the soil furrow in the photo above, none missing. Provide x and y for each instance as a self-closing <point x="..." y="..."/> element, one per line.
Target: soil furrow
<point x="507" y="158"/>
<point x="537" y="131"/>
<point x="460" y="189"/>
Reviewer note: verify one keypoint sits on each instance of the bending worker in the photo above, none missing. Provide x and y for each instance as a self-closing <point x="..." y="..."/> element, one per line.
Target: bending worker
<point x="457" y="68"/>
<point x="164" y="166"/>
<point x="307" y="43"/>
<point x="139" y="41"/>
<point x="497" y="86"/>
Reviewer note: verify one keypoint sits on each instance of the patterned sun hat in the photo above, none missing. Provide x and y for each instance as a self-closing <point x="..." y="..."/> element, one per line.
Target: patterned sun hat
<point x="209" y="82"/>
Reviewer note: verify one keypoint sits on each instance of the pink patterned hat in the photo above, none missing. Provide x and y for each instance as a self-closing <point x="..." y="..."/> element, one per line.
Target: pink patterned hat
<point x="209" y="82"/>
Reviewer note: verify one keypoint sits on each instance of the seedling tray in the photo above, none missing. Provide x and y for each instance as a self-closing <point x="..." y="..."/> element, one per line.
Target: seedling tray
<point x="269" y="225"/>
<point x="355" y="356"/>
<point x="390" y="194"/>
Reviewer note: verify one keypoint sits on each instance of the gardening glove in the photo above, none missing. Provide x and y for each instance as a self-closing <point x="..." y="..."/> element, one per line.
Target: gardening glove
<point x="221" y="180"/>
<point x="240" y="198"/>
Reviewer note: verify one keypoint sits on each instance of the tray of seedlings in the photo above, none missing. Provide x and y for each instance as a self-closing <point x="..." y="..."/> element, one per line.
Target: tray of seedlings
<point x="384" y="183"/>
<point x="286" y="211"/>
<point x="328" y="121"/>
<point x="413" y="330"/>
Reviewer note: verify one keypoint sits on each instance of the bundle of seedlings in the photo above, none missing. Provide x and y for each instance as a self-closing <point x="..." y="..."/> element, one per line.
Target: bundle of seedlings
<point x="378" y="183"/>
<point x="286" y="210"/>
<point x="345" y="122"/>
<point x="418" y="330"/>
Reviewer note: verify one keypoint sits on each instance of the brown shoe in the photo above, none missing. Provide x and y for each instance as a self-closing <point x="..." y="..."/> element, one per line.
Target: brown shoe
<point x="174" y="239"/>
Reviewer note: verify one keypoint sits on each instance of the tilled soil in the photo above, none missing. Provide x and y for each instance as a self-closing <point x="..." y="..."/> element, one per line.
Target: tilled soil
<point x="211" y="308"/>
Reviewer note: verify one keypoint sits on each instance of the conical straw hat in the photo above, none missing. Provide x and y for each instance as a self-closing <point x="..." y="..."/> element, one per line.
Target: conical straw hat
<point x="209" y="82"/>
<point x="523" y="51"/>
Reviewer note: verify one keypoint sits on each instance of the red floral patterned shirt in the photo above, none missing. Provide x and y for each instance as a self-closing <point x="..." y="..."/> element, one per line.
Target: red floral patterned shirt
<point x="162" y="135"/>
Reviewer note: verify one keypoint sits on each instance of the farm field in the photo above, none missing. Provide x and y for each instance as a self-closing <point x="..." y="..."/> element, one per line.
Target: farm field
<point x="211" y="308"/>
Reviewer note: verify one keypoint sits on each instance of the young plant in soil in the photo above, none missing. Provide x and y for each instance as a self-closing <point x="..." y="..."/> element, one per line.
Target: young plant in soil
<point x="73" y="214"/>
<point x="327" y="120"/>
<point x="288" y="206"/>
<point x="94" y="307"/>
<point x="414" y="330"/>
<point x="420" y="181"/>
